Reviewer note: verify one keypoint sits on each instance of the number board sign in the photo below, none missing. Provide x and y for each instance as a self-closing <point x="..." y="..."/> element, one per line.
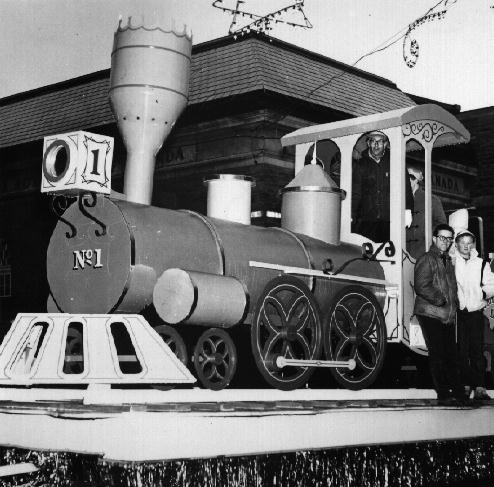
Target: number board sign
<point x="75" y="162"/>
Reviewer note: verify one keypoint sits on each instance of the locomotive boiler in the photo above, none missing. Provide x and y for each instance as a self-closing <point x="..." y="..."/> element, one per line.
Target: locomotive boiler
<point x="202" y="271"/>
<point x="312" y="293"/>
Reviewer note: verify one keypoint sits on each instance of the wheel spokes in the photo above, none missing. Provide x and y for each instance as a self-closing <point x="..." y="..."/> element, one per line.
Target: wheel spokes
<point x="269" y="346"/>
<point x="364" y="325"/>
<point x="346" y="318"/>
<point x="370" y="348"/>
<point x="299" y="312"/>
<point x="208" y="369"/>
<point x="209" y="346"/>
<point x="271" y="303"/>
<point x="205" y="358"/>
<point x="339" y="350"/>
<point x="302" y="340"/>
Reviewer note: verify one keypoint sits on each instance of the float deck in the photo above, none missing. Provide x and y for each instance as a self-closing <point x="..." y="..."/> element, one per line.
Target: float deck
<point x="151" y="425"/>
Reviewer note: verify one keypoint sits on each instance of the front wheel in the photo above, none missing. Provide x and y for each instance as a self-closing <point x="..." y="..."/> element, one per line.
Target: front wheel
<point x="173" y="339"/>
<point x="355" y="329"/>
<point x="215" y="359"/>
<point x="176" y="344"/>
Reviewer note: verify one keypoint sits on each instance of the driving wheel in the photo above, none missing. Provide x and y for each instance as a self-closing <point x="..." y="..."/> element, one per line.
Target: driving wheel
<point x="172" y="338"/>
<point x="355" y="329"/>
<point x="286" y="324"/>
<point x="215" y="359"/>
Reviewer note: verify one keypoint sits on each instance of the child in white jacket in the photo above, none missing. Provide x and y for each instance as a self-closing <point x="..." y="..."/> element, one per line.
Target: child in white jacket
<point x="475" y="285"/>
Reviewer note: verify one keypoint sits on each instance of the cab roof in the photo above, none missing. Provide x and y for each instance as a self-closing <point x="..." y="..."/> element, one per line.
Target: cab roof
<point x="380" y="121"/>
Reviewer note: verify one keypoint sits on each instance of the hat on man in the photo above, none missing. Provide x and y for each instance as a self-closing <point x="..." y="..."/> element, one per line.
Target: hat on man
<point x="376" y="133"/>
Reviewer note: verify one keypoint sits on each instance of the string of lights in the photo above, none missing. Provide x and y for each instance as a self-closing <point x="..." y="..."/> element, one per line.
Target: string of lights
<point x="262" y="23"/>
<point x="238" y="12"/>
<point x="411" y="47"/>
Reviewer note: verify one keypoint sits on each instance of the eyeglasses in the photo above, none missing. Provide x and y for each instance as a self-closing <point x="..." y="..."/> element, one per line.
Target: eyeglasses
<point x="412" y="177"/>
<point x="444" y="239"/>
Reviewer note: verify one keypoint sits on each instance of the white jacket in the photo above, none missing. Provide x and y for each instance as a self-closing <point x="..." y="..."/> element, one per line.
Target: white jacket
<point x="468" y="277"/>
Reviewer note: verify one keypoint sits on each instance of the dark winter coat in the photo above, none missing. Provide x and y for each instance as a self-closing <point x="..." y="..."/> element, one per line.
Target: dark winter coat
<point x="435" y="287"/>
<point x="370" y="188"/>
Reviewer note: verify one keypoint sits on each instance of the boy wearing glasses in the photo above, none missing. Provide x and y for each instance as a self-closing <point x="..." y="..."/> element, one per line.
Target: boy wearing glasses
<point x="415" y="233"/>
<point x="475" y="284"/>
<point x="435" y="308"/>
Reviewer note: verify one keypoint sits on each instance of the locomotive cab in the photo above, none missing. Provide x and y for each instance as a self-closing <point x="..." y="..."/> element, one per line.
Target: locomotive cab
<point x="410" y="134"/>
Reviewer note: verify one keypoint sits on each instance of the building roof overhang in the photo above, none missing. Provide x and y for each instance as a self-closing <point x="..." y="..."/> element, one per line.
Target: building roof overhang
<point x="220" y="70"/>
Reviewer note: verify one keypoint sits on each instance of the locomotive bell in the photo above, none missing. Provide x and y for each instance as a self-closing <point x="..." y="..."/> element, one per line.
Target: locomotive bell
<point x="311" y="204"/>
<point x="149" y="86"/>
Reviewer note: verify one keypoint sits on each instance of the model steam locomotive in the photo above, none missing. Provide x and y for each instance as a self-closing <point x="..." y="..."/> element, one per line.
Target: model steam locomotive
<point x="313" y="293"/>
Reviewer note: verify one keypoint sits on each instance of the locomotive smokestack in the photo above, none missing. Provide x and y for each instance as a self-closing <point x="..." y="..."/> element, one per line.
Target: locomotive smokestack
<point x="149" y="87"/>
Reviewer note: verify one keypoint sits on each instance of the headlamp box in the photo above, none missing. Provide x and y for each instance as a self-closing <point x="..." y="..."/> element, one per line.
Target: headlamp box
<point x="77" y="162"/>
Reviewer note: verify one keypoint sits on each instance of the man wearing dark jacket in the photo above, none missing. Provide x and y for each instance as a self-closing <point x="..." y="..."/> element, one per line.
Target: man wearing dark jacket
<point x="371" y="189"/>
<point x="435" y="307"/>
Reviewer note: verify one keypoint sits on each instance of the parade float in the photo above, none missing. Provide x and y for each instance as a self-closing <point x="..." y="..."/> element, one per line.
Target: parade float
<point x="103" y="376"/>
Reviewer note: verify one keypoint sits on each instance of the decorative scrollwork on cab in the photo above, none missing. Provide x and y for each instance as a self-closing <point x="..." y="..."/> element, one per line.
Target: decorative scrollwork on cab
<point x="427" y="131"/>
<point x="389" y="249"/>
<point x="367" y="250"/>
<point x="89" y="199"/>
<point x="327" y="266"/>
